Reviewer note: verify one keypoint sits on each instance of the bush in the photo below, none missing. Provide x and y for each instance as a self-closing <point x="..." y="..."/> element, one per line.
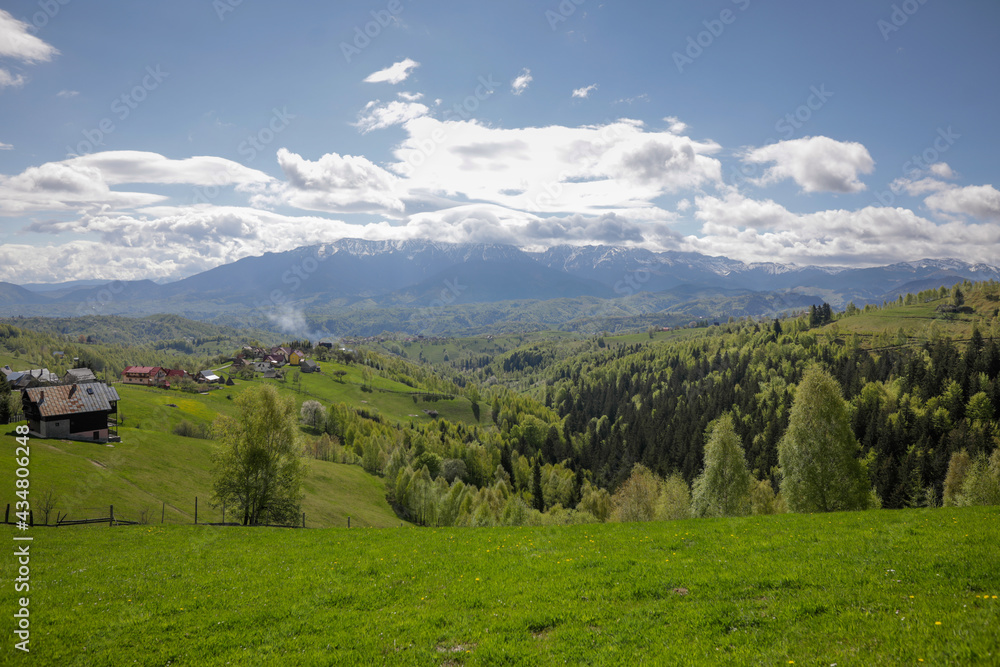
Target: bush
<point x="188" y="430"/>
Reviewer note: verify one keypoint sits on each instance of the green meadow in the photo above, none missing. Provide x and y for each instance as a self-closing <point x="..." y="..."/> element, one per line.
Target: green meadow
<point x="873" y="588"/>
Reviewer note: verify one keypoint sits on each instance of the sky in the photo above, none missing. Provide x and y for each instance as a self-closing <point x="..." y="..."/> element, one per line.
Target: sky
<point x="155" y="140"/>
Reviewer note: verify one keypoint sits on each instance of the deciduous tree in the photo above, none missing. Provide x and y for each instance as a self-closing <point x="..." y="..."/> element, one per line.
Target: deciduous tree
<point x="818" y="454"/>
<point x="258" y="469"/>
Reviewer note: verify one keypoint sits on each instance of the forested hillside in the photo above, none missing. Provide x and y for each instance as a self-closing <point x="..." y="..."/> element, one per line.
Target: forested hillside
<point x="913" y="405"/>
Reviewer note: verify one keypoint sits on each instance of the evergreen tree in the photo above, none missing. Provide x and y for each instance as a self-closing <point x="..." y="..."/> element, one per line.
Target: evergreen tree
<point x="723" y="488"/>
<point x="954" y="481"/>
<point x="537" y="500"/>
<point x="818" y="454"/>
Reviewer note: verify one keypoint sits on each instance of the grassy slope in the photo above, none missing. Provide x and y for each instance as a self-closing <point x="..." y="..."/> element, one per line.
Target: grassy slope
<point x="884" y="587"/>
<point x="149" y="468"/>
<point x="920" y="320"/>
<point x="152" y="466"/>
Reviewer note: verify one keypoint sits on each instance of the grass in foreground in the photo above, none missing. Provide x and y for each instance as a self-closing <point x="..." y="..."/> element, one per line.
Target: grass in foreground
<point x="885" y="587"/>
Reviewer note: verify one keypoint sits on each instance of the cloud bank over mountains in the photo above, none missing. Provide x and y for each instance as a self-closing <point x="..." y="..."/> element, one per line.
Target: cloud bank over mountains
<point x="131" y="214"/>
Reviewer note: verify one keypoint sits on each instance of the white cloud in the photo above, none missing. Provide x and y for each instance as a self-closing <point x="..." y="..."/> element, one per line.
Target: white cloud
<point x="64" y="186"/>
<point x="676" y="126"/>
<point x="84" y="183"/>
<point x="409" y="97"/>
<point x="8" y="80"/>
<point x="551" y="169"/>
<point x="520" y="83"/>
<point x="5" y="147"/>
<point x="376" y="116"/>
<point x="17" y="43"/>
<point x="66" y="94"/>
<point x="816" y="164"/>
<point x="919" y="187"/>
<point x="335" y="183"/>
<point x="395" y="73"/>
<point x="981" y="202"/>
<point x="751" y="230"/>
<point x="119" y="167"/>
<point x="585" y="91"/>
<point x="187" y="240"/>
<point x="942" y="170"/>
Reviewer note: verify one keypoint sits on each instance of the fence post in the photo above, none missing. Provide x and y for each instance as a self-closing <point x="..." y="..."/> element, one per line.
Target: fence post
<point x="111" y="519"/>
<point x="348" y="522"/>
<point x="6" y="515"/>
<point x="196" y="510"/>
<point x="303" y="519"/>
<point x="31" y="517"/>
<point x="223" y="513"/>
<point x="163" y="511"/>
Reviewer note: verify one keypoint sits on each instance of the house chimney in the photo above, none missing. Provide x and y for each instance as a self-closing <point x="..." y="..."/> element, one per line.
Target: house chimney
<point x="41" y="397"/>
<point x="72" y="390"/>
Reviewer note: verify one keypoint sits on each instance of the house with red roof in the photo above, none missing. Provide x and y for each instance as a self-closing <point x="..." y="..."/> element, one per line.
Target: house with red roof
<point x="151" y="376"/>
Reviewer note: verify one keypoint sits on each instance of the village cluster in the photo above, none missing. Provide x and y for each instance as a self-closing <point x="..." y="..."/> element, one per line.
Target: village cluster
<point x="77" y="406"/>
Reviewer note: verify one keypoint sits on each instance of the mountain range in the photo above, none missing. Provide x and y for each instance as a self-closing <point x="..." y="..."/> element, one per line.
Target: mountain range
<point x="407" y="280"/>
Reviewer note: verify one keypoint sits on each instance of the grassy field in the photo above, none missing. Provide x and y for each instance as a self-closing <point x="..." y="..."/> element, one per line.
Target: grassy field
<point x="873" y="588"/>
<point x="921" y="321"/>
<point x="161" y="474"/>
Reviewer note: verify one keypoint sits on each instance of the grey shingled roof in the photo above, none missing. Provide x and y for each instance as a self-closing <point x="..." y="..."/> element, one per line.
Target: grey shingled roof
<point x="73" y="399"/>
<point x="81" y="374"/>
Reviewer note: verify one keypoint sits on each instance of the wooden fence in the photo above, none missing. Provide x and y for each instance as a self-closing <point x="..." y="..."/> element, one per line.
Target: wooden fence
<point x="112" y="520"/>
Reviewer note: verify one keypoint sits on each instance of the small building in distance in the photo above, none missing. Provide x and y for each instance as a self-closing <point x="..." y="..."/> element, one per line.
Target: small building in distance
<point x="209" y="377"/>
<point x="174" y="375"/>
<point x="79" y="376"/>
<point x="72" y="411"/>
<point x="309" y="366"/>
<point x="151" y="376"/>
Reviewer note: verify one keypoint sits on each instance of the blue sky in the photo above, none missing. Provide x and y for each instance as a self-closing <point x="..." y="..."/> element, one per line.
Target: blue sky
<point x="155" y="140"/>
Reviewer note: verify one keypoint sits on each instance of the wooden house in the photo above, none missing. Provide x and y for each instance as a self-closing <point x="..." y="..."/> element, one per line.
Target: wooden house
<point x="151" y="376"/>
<point x="72" y="411"/>
<point x="309" y="366"/>
<point x="79" y="376"/>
